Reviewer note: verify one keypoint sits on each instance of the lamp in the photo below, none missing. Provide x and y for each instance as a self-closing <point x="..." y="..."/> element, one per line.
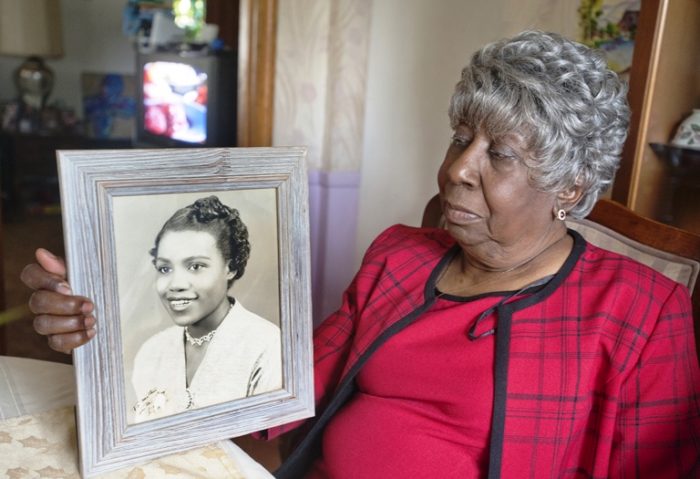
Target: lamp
<point x="31" y="28"/>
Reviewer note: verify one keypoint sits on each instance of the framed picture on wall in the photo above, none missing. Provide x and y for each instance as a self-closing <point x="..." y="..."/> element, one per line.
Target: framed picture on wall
<point x="197" y="261"/>
<point x="109" y="105"/>
<point x="611" y="26"/>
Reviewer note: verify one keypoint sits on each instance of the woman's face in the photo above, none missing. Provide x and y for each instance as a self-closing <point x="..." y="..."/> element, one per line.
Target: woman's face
<point x="193" y="276"/>
<point x="490" y="207"/>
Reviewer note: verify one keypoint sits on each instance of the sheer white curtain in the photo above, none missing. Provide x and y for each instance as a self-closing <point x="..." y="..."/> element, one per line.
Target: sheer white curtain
<point x="320" y="90"/>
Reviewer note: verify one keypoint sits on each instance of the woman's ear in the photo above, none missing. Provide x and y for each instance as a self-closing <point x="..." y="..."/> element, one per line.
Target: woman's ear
<point x="230" y="272"/>
<point x="568" y="198"/>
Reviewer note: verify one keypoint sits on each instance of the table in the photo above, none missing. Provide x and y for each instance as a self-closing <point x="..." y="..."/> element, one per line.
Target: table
<point x="29" y="386"/>
<point x="35" y="393"/>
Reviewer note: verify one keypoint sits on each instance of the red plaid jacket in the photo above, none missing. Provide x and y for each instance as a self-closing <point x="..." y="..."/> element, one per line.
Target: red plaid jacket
<point x="596" y="374"/>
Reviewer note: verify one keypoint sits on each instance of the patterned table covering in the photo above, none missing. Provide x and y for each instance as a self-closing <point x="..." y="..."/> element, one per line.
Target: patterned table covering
<point x="38" y="436"/>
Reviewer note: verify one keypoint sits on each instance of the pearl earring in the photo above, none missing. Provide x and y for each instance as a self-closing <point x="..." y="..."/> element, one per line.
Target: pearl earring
<point x="561" y="214"/>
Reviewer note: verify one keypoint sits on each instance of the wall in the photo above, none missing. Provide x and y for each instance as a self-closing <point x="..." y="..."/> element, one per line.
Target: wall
<point x="92" y="42"/>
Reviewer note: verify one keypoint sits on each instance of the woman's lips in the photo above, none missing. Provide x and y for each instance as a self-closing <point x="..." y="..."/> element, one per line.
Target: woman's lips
<point x="179" y="304"/>
<point x="457" y="215"/>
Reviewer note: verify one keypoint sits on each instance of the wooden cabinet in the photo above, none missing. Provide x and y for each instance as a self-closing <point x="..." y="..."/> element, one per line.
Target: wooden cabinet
<point x="664" y="88"/>
<point x="29" y="177"/>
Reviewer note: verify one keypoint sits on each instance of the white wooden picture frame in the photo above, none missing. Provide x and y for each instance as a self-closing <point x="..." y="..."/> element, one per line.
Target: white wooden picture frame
<point x="113" y="201"/>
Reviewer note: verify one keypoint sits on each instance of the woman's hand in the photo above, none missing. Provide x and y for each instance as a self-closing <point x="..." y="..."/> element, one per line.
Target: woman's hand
<point x="66" y="320"/>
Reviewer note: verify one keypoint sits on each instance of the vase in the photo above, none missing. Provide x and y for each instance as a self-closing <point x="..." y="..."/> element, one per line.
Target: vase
<point x="688" y="133"/>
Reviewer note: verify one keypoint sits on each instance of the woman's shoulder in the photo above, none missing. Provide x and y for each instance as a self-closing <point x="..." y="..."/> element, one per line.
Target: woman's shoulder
<point x="159" y="343"/>
<point x="252" y="321"/>
<point x="642" y="267"/>
<point x="619" y="281"/>
<point x="623" y="301"/>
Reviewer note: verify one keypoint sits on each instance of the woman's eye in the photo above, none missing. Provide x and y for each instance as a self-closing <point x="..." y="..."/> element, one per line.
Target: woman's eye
<point x="196" y="266"/>
<point x="460" y="140"/>
<point x="163" y="269"/>
<point x="501" y="156"/>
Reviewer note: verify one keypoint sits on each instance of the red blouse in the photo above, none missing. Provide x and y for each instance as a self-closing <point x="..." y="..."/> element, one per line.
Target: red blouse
<point x="418" y="413"/>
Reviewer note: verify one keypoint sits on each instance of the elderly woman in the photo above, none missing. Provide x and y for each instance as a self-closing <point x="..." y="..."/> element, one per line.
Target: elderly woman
<point x="503" y="345"/>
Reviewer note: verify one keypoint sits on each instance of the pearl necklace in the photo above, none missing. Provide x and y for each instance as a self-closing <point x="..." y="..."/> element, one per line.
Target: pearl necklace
<point x="201" y="340"/>
<point x="207" y="337"/>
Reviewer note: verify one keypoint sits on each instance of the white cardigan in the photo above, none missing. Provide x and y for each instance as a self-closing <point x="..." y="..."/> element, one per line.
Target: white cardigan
<point x="243" y="344"/>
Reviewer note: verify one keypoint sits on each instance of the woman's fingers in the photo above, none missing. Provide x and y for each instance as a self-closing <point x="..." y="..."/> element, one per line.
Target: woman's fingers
<point x="58" y="304"/>
<point x="48" y="325"/>
<point x="37" y="278"/>
<point x="66" y="320"/>
<point x="50" y="262"/>
<point x="65" y="333"/>
<point x="66" y="343"/>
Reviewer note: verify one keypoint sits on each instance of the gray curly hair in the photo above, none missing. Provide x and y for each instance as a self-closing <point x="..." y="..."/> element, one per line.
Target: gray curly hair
<point x="561" y="96"/>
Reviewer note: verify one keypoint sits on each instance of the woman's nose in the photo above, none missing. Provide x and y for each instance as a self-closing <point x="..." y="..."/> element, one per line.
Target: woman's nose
<point x="178" y="280"/>
<point x="465" y="166"/>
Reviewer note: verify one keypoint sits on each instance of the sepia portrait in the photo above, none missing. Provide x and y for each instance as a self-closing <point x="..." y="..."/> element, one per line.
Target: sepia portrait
<point x="199" y="299"/>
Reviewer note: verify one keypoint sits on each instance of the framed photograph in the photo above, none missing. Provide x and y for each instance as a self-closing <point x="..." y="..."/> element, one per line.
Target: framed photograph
<point x="198" y="263"/>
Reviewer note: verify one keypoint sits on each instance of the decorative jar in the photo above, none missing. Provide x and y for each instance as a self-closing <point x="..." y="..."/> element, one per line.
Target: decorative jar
<point x="688" y="133"/>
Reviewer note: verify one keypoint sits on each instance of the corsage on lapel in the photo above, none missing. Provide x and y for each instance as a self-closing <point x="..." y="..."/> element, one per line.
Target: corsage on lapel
<point x="154" y="401"/>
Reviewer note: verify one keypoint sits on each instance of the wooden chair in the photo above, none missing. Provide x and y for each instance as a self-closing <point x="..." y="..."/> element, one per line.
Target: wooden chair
<point x="671" y="251"/>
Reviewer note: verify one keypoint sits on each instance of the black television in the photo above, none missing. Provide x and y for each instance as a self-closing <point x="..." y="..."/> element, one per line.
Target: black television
<point x="186" y="99"/>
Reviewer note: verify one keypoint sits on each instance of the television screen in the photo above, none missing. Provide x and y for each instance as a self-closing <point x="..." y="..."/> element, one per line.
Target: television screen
<point x="175" y="101"/>
<point x="186" y="100"/>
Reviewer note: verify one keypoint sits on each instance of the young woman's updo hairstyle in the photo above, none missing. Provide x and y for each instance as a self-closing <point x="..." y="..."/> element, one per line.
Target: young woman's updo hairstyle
<point x="561" y="96"/>
<point x="223" y="223"/>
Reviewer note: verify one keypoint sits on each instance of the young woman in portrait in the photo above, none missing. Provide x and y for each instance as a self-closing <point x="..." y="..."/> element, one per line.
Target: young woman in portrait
<point x="216" y="350"/>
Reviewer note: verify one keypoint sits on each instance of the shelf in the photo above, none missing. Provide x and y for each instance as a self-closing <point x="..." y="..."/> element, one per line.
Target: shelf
<point x="683" y="165"/>
<point x="681" y="160"/>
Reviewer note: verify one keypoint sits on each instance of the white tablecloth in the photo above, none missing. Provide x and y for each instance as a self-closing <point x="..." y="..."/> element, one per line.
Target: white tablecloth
<point x="31" y="387"/>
